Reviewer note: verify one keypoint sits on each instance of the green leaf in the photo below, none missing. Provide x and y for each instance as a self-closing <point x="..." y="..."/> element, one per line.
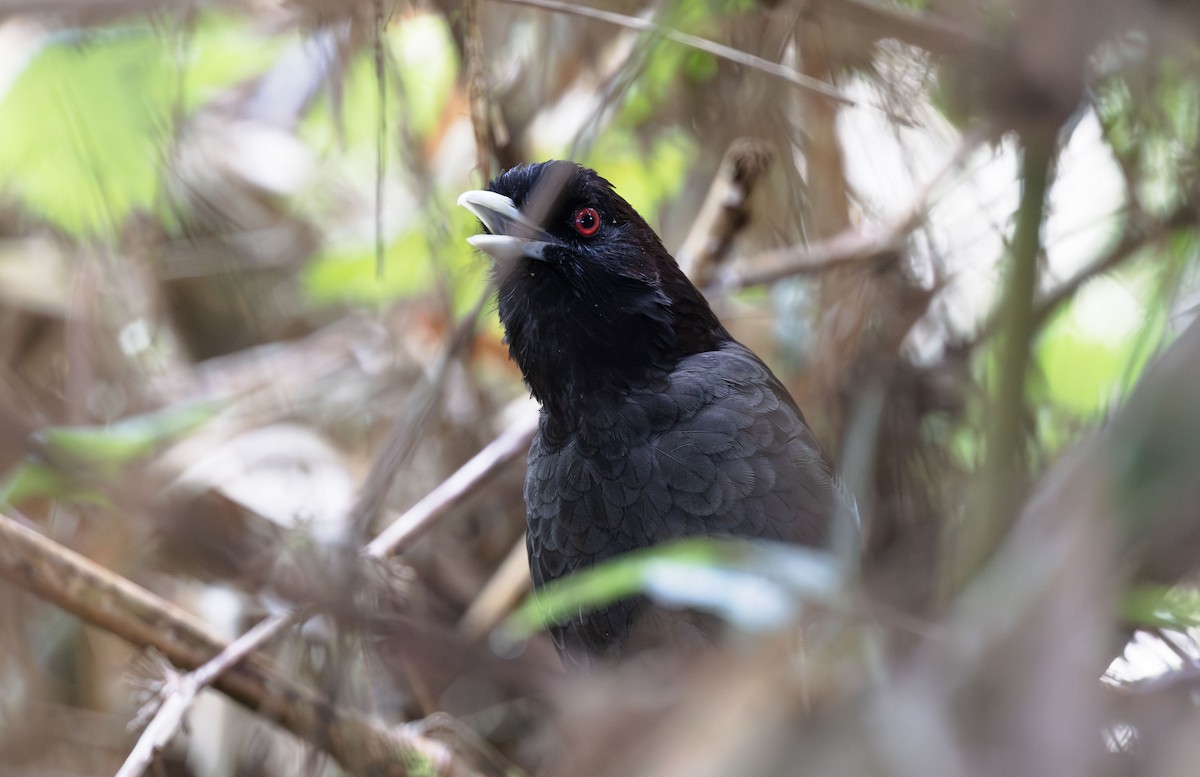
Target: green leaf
<point x="753" y="585"/>
<point x="83" y="129"/>
<point x="87" y="124"/>
<point x="31" y="479"/>
<point x="120" y="443"/>
<point x="1176" y="608"/>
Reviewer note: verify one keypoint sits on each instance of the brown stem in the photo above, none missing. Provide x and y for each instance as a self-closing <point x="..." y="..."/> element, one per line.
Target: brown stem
<point x="113" y="603"/>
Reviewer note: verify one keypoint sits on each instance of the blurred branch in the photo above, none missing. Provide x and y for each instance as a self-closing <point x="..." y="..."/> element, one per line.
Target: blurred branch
<point x="726" y="210"/>
<point x="999" y="489"/>
<point x="501" y="592"/>
<point x="511" y="444"/>
<point x="847" y="248"/>
<point x="701" y="44"/>
<point x="850" y="246"/>
<point x="477" y="91"/>
<point x="925" y="31"/>
<point x="113" y="603"/>
<point x="407" y="430"/>
<point x="181" y="691"/>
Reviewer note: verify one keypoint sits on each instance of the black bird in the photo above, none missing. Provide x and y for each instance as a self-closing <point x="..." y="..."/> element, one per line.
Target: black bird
<point x="655" y="423"/>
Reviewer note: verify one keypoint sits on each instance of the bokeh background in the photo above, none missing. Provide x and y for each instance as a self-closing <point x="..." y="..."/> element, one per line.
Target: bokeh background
<point x="242" y="335"/>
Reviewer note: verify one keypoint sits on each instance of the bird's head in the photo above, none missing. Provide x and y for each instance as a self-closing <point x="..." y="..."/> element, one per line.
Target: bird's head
<point x="589" y="297"/>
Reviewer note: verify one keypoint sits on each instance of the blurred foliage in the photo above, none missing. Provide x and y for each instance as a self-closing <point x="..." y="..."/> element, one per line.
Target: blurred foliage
<point x="79" y="462"/>
<point x="87" y="120"/>
<point x="149" y="198"/>
<point x="753" y="586"/>
<point x="1176" y="608"/>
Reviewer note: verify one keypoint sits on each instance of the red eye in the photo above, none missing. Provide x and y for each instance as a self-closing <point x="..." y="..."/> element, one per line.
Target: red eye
<point x="586" y="221"/>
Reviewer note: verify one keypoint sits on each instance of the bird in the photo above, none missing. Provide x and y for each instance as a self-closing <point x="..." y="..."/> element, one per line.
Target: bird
<point x="655" y="423"/>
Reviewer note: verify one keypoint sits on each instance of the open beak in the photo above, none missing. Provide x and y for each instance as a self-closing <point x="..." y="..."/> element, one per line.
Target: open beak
<point x="511" y="235"/>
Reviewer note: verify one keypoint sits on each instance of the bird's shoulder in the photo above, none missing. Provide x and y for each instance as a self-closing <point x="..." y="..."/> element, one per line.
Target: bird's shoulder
<point x="717" y="447"/>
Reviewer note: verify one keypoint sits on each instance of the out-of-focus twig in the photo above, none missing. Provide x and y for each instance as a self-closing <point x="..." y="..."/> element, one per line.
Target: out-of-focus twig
<point x="498" y="596"/>
<point x="477" y="91"/>
<point x="845" y="249"/>
<point x="999" y="489"/>
<point x="725" y="212"/>
<point x="109" y="601"/>
<point x="407" y="430"/>
<point x="183" y="690"/>
<point x="925" y="31"/>
<point x="701" y="44"/>
<point x="511" y="443"/>
<point x="851" y="246"/>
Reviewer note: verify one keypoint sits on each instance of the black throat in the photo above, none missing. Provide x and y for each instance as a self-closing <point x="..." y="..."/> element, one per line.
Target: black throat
<point x="578" y="341"/>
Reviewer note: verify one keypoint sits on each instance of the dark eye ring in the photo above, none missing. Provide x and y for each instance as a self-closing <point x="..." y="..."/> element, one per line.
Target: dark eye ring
<point x="586" y="221"/>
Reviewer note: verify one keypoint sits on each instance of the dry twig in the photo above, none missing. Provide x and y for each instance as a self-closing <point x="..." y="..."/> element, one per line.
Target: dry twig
<point x="109" y="601"/>
<point x="725" y="212"/>
<point x="700" y="44"/>
<point x="851" y="246"/>
<point x="485" y="465"/>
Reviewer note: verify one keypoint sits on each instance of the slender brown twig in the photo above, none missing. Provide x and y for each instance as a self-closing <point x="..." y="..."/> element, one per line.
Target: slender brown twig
<point x="184" y="689"/>
<point x="511" y="444"/>
<point x="106" y="600"/>
<point x="693" y="41"/>
<point x="851" y="246"/>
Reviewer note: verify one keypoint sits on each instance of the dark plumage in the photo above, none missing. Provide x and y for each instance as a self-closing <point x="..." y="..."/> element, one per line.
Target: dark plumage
<point x="655" y="423"/>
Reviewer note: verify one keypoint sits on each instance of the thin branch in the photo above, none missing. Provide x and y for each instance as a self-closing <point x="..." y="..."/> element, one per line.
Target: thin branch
<point x="845" y="249"/>
<point x="512" y="443"/>
<point x="406" y="432"/>
<point x="999" y="488"/>
<point x="184" y="689"/>
<point x="849" y="247"/>
<point x="497" y="598"/>
<point x="381" y="133"/>
<point x="726" y="210"/>
<point x="925" y="31"/>
<point x="109" y="601"/>
<point x="701" y="44"/>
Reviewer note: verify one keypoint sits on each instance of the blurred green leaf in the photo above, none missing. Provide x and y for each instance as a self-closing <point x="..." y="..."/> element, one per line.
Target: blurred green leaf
<point x="753" y="585"/>
<point x="122" y="442"/>
<point x="31" y="479"/>
<point x="421" y="54"/>
<point x="349" y="273"/>
<point x="1176" y="608"/>
<point x="84" y="127"/>
<point x="1092" y="353"/>
<point x="72" y="462"/>
<point x="87" y="123"/>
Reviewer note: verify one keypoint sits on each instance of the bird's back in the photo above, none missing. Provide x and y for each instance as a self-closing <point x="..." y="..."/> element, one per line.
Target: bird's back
<point x="715" y="447"/>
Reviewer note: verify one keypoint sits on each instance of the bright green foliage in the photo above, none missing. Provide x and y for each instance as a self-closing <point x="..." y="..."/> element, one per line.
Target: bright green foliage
<point x="419" y="52"/>
<point x="1091" y="354"/>
<point x="349" y="272"/>
<point x="71" y="462"/>
<point x="1152" y="606"/>
<point x="752" y="584"/>
<point x="86" y="126"/>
